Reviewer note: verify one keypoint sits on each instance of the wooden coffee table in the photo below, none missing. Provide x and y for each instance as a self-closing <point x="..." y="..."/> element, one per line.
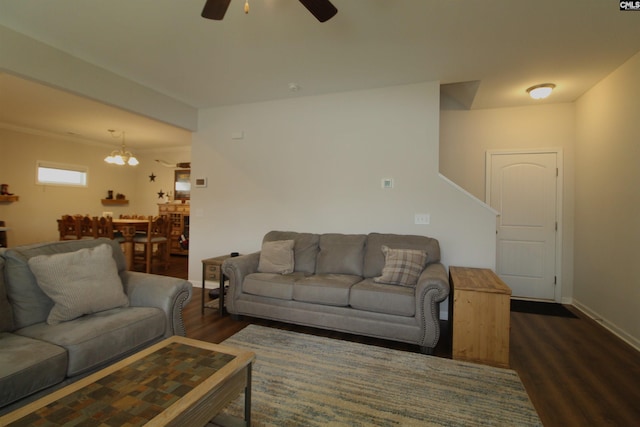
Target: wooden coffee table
<point x="177" y="382"/>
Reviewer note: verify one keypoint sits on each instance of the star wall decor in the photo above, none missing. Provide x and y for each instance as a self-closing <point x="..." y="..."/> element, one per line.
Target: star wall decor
<point x="152" y="177"/>
<point x="160" y="194"/>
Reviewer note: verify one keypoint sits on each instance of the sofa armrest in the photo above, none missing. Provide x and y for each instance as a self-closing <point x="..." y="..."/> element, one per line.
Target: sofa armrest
<point x="236" y="269"/>
<point x="432" y="288"/>
<point x="166" y="293"/>
<point x="435" y="278"/>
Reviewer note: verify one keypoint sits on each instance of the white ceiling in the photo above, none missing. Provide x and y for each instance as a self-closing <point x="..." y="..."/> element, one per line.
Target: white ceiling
<point x="506" y="45"/>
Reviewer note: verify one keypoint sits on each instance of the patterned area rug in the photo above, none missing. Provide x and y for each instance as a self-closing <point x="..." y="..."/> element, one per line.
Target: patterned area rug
<point x="305" y="380"/>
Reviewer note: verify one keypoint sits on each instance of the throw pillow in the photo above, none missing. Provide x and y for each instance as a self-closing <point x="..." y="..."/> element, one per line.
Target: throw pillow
<point x="402" y="266"/>
<point x="81" y="282"/>
<point x="276" y="257"/>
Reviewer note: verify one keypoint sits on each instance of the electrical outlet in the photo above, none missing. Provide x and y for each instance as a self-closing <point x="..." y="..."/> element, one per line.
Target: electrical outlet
<point x="422" y="218"/>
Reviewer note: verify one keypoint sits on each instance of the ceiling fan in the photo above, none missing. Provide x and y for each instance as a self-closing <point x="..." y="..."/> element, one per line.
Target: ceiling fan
<point x="323" y="10"/>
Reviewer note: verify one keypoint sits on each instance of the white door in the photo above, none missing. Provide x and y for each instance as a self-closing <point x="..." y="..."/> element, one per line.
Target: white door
<point x="523" y="188"/>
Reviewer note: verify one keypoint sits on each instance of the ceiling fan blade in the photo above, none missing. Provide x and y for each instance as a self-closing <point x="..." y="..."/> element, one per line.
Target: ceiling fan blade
<point x="323" y="10"/>
<point x="215" y="9"/>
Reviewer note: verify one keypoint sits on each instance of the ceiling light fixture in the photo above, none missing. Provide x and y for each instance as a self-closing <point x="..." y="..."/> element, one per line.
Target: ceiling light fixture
<point x="246" y="6"/>
<point x="541" y="91"/>
<point x="122" y="156"/>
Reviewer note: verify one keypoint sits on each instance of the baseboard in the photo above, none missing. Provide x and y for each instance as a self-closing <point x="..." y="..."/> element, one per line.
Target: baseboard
<point x="610" y="326"/>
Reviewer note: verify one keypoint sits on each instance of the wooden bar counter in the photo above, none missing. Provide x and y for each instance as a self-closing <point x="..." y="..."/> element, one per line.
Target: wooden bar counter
<point x="480" y="316"/>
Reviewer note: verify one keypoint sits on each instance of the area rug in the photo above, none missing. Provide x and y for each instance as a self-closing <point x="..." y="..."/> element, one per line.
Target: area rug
<point x="305" y="380"/>
<point x="538" y="307"/>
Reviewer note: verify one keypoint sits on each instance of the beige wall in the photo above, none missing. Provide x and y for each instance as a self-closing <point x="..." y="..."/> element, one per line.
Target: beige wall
<point x="33" y="218"/>
<point x="607" y="271"/>
<point x="147" y="190"/>
<point x="466" y="136"/>
<point x="315" y="164"/>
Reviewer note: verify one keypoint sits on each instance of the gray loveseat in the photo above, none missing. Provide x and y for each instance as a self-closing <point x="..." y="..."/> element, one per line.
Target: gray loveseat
<point x="333" y="286"/>
<point x="37" y="357"/>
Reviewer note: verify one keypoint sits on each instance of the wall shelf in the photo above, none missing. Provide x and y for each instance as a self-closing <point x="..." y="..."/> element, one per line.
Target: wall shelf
<point x="115" y="201"/>
<point x="9" y="199"/>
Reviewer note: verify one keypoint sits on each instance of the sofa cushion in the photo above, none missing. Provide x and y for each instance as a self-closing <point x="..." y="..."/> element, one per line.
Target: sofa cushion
<point x="81" y="282"/>
<point x="28" y="366"/>
<point x="341" y="254"/>
<point x="374" y="258"/>
<point x="271" y="285"/>
<point x="402" y="266"/>
<point x="94" y="340"/>
<point x="276" y="257"/>
<point x="327" y="289"/>
<point x="382" y="298"/>
<point x="30" y="304"/>
<point x="305" y="248"/>
<point x="6" y="313"/>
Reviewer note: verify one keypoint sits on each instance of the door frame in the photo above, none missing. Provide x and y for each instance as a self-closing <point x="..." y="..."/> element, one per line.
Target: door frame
<point x="559" y="195"/>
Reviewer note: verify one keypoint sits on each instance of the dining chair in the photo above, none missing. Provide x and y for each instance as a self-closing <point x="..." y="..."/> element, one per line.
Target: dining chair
<point x="88" y="227"/>
<point x="154" y="244"/>
<point x="69" y="227"/>
<point x="3" y="235"/>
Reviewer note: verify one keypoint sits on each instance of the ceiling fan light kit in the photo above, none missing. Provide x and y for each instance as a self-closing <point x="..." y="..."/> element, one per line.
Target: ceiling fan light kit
<point x="541" y="91"/>
<point x="323" y="10"/>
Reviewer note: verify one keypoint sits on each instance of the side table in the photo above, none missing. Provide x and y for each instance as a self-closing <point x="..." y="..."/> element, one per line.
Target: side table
<point x="212" y="270"/>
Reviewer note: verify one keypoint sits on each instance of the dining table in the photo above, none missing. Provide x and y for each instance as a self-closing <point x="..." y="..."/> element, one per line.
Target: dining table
<point x="129" y="227"/>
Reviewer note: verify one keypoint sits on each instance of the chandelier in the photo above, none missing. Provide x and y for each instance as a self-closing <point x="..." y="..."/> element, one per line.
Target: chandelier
<point x="122" y="156"/>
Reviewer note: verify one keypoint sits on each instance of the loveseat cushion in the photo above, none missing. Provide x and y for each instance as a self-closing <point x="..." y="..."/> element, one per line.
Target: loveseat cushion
<point x="28" y="366"/>
<point x="374" y="258"/>
<point x="305" y="248"/>
<point x="382" y="298"/>
<point x="99" y="338"/>
<point x="30" y="304"/>
<point x="341" y="254"/>
<point x="326" y="289"/>
<point x="81" y="282"/>
<point x="271" y="285"/>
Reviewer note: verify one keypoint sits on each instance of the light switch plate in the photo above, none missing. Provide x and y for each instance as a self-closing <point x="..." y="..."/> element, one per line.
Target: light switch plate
<point x="422" y="218"/>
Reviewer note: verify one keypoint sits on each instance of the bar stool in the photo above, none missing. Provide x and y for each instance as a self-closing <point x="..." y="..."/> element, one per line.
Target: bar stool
<point x="155" y="244"/>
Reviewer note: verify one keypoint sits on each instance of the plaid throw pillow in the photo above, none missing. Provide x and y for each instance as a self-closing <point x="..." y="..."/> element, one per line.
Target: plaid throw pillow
<point x="402" y="266"/>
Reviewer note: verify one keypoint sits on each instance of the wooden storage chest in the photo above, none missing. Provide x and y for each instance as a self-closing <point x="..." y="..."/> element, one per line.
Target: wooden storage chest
<point x="480" y="316"/>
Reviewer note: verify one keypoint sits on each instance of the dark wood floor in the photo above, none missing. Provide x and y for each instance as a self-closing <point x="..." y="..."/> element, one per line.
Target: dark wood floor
<point x="576" y="372"/>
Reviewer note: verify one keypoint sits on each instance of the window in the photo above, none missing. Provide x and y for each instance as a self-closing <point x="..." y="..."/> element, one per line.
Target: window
<point x="61" y="174"/>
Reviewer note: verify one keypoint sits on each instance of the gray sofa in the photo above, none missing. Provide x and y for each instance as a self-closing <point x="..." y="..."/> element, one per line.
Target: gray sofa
<point x="39" y="354"/>
<point x="333" y="286"/>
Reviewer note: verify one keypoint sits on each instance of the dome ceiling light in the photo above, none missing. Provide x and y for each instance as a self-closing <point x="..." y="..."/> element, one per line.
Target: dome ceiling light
<point x="541" y="91"/>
